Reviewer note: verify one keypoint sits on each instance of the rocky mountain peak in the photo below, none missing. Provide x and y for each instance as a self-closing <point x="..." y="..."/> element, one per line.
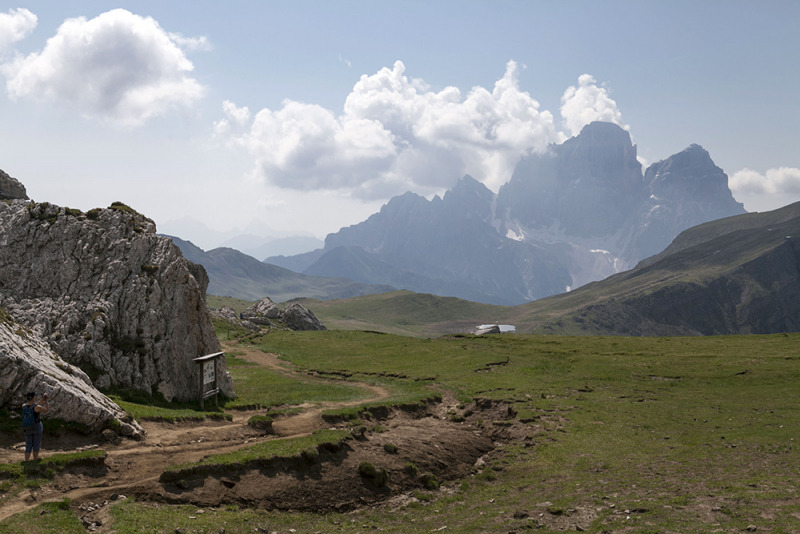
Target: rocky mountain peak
<point x="585" y="186"/>
<point x="11" y="188"/>
<point x="604" y="152"/>
<point x="468" y="197"/>
<point x="692" y="175"/>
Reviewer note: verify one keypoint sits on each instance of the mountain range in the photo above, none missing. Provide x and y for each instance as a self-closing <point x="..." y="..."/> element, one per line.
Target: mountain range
<point x="579" y="212"/>
<point x="256" y="239"/>
<point x="233" y="273"/>
<point x="736" y="275"/>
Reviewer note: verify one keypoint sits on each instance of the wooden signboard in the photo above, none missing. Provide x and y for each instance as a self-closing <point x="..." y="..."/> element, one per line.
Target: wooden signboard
<point x="208" y="377"/>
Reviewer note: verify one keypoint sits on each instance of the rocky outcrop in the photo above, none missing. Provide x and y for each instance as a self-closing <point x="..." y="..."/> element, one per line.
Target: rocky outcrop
<point x="28" y="364"/>
<point x="267" y="314"/>
<point x="11" y="188"/>
<point x="261" y="312"/>
<point x="226" y="313"/>
<point x="108" y="295"/>
<point x="297" y="317"/>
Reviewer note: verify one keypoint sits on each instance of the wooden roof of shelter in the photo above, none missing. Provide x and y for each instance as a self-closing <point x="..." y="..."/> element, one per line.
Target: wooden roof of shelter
<point x="208" y="357"/>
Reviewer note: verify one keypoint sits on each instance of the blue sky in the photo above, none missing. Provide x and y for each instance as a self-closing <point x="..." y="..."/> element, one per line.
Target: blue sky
<point x="136" y="111"/>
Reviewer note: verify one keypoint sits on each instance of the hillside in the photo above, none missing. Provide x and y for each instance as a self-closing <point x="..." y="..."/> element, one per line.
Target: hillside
<point x="406" y="313"/>
<point x="738" y="275"/>
<point x="234" y="274"/>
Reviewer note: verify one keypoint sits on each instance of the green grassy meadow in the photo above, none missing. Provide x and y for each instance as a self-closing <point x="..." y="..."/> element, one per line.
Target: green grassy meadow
<point x="641" y="435"/>
<point x="678" y="434"/>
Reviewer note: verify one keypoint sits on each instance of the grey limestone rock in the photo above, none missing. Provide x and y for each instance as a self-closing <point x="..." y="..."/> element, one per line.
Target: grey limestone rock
<point x="261" y="312"/>
<point x="28" y="364"/>
<point x="226" y="313"/>
<point x="108" y="295"/>
<point x="11" y="188"/>
<point x="297" y="317"/>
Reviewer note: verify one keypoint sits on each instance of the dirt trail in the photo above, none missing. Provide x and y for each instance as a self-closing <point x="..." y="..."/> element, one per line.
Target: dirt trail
<point x="310" y="419"/>
<point x="134" y="465"/>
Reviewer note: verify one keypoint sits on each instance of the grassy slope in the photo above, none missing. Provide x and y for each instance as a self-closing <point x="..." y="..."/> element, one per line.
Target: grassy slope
<point x="662" y="421"/>
<point x="406" y="313"/>
<point x="669" y="427"/>
<point x="696" y="265"/>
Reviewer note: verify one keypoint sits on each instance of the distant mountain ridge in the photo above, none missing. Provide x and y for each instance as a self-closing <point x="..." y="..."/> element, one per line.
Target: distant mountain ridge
<point x="232" y="273"/>
<point x="737" y="275"/>
<point x="578" y="213"/>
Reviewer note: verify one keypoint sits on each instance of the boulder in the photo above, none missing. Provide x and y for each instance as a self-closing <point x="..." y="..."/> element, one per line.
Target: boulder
<point x="297" y="317"/>
<point x="108" y="295"/>
<point x="261" y="312"/>
<point x="11" y="188"/>
<point x="28" y="364"/>
<point x="226" y="313"/>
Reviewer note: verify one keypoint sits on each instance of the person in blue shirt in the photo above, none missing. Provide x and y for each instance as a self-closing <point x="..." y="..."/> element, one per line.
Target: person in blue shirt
<point x="33" y="434"/>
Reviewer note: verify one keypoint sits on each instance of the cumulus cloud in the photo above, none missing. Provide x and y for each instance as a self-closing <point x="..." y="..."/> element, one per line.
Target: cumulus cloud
<point x="783" y="180"/>
<point x="587" y="103"/>
<point x="118" y="66"/>
<point x="15" y="25"/>
<point x="190" y="43"/>
<point x="235" y="118"/>
<point x="395" y="134"/>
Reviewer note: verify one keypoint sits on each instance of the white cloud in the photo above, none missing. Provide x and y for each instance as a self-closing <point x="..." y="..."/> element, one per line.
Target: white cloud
<point x="234" y="117"/>
<point x="118" y="66"/>
<point x="783" y="180"/>
<point x="395" y="135"/>
<point x="190" y="43"/>
<point x="15" y="25"/>
<point x="587" y="103"/>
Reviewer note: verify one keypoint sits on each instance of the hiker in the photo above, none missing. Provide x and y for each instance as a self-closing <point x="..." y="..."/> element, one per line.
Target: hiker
<point x="31" y="425"/>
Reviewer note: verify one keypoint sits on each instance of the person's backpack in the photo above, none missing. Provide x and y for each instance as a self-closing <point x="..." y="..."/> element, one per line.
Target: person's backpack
<point x="28" y="416"/>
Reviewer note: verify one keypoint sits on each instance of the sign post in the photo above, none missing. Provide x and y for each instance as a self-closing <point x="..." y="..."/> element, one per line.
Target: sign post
<point x="208" y="377"/>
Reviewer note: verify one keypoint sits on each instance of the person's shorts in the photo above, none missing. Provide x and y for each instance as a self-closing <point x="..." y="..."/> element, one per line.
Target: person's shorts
<point x="33" y="438"/>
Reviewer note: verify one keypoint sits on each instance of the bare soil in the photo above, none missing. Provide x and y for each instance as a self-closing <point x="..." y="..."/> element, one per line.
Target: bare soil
<point x="434" y="444"/>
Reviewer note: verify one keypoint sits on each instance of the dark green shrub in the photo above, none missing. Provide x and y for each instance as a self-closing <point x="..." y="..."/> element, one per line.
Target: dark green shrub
<point x="150" y="269"/>
<point x="366" y="469"/>
<point x="429" y="481"/>
<point x="381" y="478"/>
<point x="378" y="476"/>
<point x="119" y="206"/>
<point x="391" y="448"/>
<point x="93" y="214"/>
<point x="410" y="469"/>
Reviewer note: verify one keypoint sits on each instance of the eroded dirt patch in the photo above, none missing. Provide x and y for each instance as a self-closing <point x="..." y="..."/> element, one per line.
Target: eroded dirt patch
<point x="421" y="450"/>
